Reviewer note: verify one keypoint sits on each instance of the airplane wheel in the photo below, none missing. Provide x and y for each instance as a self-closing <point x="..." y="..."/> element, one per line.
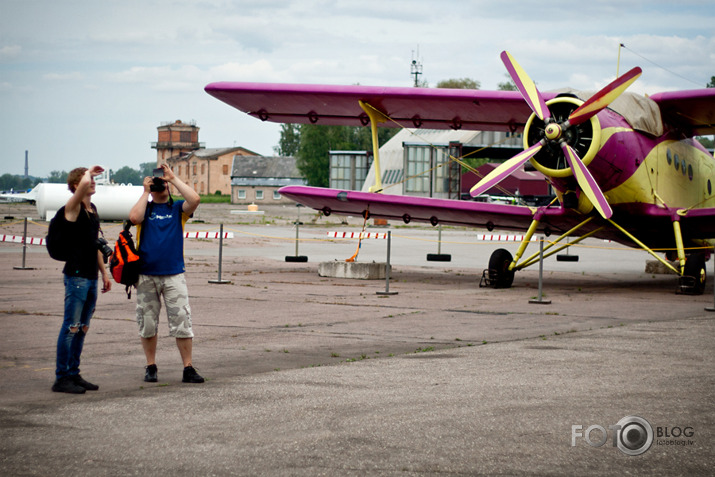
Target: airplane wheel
<point x="499" y="274"/>
<point x="695" y="267"/>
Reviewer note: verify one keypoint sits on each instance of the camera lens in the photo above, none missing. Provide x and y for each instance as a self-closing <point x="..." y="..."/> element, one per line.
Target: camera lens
<point x="103" y="247"/>
<point x="158" y="185"/>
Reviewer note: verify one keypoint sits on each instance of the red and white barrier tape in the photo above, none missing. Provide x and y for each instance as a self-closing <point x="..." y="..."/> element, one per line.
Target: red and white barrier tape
<point x="502" y="238"/>
<point x="41" y="241"/>
<point x="208" y="235"/>
<point x="357" y="235"/>
<point x="18" y="239"/>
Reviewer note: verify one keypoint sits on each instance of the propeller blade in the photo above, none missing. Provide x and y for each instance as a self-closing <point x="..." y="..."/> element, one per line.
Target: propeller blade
<point x="586" y="182"/>
<point x="505" y="169"/>
<point x="526" y="86"/>
<point x="604" y="97"/>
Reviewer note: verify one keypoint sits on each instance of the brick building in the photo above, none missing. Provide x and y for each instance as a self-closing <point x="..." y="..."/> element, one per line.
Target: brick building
<point x="206" y="170"/>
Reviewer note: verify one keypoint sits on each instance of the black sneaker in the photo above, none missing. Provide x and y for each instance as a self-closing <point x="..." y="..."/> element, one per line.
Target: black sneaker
<point x="66" y="385"/>
<point x="79" y="381"/>
<point x="150" y="375"/>
<point x="191" y="376"/>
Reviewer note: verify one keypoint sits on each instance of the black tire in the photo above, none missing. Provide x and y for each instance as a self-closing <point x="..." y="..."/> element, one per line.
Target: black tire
<point x="695" y="267"/>
<point x="499" y="274"/>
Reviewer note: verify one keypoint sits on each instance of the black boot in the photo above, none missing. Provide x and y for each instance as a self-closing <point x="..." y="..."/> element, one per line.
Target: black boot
<point x="79" y="381"/>
<point x="67" y="385"/>
<point x="151" y="374"/>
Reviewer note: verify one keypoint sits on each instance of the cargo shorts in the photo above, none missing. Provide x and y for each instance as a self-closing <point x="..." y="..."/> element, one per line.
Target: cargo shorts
<point x="150" y="289"/>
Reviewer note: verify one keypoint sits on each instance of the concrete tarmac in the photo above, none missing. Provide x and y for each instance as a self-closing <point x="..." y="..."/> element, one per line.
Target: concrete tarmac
<point x="308" y="375"/>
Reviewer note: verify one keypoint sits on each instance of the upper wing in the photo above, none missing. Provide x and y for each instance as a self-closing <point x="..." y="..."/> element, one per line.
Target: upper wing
<point x="431" y="108"/>
<point x="692" y="111"/>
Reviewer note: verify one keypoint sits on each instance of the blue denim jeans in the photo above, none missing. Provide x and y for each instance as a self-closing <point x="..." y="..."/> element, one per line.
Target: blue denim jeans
<point x="80" y="299"/>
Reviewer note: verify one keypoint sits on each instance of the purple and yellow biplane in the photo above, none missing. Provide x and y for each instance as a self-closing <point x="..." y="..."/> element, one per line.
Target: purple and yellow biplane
<point x="623" y="167"/>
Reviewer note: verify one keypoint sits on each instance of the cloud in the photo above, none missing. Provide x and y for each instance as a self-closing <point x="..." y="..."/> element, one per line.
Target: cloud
<point x="9" y="52"/>
<point x="259" y="70"/>
<point x="72" y="76"/>
<point x="159" y="78"/>
<point x="139" y="62"/>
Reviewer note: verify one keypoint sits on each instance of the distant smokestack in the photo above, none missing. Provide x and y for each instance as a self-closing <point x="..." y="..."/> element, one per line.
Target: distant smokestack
<point x="26" y="166"/>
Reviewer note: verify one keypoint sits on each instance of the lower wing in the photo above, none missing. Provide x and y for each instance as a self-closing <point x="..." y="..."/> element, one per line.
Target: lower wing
<point x="431" y="210"/>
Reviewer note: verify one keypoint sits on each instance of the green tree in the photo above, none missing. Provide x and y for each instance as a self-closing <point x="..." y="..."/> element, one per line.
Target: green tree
<point x="290" y="140"/>
<point x="146" y="169"/>
<point x="706" y="141"/>
<point x="127" y="175"/>
<point x="507" y="85"/>
<point x="58" y="177"/>
<point x="711" y="84"/>
<point x="7" y="181"/>
<point x="460" y="83"/>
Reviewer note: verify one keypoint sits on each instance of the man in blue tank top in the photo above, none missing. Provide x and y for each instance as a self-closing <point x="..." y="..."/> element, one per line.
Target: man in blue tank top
<point x="160" y="229"/>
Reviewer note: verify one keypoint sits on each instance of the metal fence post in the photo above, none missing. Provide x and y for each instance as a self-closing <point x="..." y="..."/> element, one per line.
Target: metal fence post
<point x="24" y="249"/>
<point x="387" y="268"/>
<point x="220" y="260"/>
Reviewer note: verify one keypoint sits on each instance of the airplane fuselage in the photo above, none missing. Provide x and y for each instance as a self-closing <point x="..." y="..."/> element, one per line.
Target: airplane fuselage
<point x="640" y="173"/>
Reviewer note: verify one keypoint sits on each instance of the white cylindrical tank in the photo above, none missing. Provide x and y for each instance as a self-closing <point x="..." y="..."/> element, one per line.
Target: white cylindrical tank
<point x="113" y="201"/>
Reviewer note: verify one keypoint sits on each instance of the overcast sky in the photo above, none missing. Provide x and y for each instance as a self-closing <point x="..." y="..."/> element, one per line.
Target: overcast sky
<point x="87" y="82"/>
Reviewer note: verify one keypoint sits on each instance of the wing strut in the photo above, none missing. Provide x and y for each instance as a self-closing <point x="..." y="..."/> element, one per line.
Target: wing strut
<point x="645" y="247"/>
<point x="376" y="117"/>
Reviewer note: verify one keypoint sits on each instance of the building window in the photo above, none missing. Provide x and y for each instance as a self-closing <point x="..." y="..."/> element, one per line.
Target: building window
<point x="418" y="165"/>
<point x="203" y="169"/>
<point x="429" y="172"/>
<point x="194" y="168"/>
<point x="225" y="169"/>
<point x="348" y="170"/>
<point x="242" y="194"/>
<point x="185" y="136"/>
<point x="259" y="195"/>
<point x="202" y="188"/>
<point x="179" y="169"/>
<point x="276" y="195"/>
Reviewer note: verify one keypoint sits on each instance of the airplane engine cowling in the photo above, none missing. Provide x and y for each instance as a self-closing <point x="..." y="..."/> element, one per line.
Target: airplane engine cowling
<point x="584" y="138"/>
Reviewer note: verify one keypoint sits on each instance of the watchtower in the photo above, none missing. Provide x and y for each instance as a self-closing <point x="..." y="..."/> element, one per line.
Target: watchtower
<point x="176" y="139"/>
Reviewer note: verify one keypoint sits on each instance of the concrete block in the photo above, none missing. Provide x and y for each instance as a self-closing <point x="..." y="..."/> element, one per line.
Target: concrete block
<point x="356" y="270"/>
<point x="657" y="268"/>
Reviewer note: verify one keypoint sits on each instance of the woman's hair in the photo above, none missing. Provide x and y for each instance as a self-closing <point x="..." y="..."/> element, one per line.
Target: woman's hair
<point x="74" y="177"/>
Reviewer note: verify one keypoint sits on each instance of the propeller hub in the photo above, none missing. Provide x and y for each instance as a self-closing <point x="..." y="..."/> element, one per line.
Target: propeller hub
<point x="553" y="131"/>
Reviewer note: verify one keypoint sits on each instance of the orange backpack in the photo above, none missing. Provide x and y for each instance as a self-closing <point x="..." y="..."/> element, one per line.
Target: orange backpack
<point x="124" y="264"/>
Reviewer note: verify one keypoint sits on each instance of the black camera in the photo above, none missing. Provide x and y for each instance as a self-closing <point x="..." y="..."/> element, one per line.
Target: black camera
<point x="157" y="184"/>
<point x="103" y="247"/>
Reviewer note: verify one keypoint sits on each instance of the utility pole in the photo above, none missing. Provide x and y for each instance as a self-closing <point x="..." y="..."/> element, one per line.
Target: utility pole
<point x="416" y="67"/>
